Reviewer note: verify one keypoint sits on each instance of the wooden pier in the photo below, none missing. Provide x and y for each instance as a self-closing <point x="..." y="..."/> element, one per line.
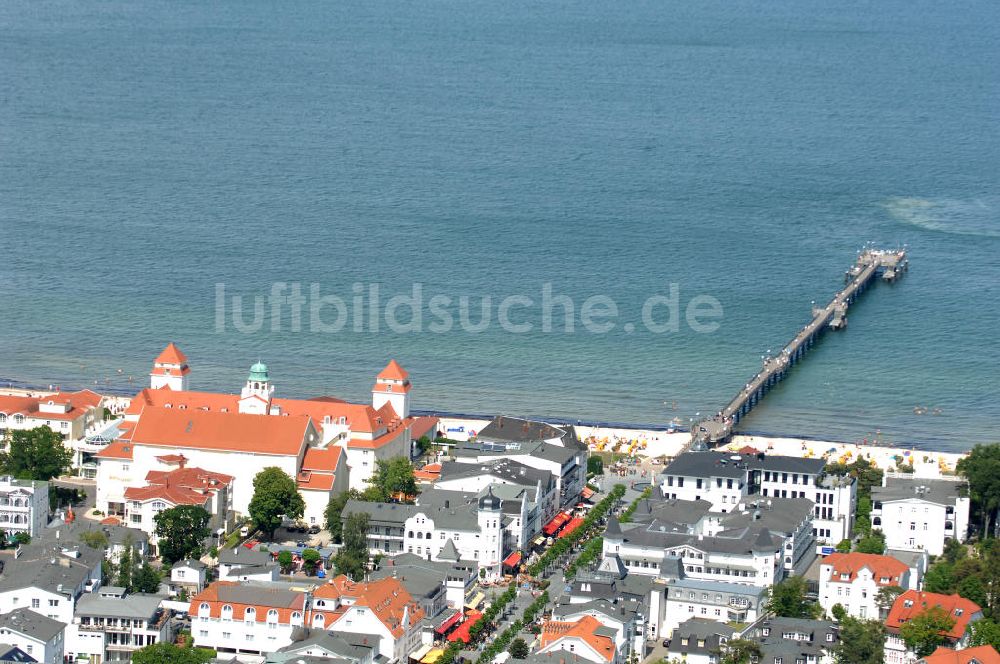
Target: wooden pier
<point x="871" y="264"/>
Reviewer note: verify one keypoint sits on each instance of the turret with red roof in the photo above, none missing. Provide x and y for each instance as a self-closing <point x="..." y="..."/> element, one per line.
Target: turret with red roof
<point x="170" y="370"/>
<point x="392" y="386"/>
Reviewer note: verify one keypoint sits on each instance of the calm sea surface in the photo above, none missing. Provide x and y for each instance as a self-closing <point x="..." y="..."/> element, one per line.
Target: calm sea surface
<point x="742" y="150"/>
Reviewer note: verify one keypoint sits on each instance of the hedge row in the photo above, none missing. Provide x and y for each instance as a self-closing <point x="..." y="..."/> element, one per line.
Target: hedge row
<point x="595" y="547"/>
<point x="630" y="510"/>
<point x="491" y="613"/>
<point x="500" y="643"/>
<point x="561" y="546"/>
<point x="591" y="552"/>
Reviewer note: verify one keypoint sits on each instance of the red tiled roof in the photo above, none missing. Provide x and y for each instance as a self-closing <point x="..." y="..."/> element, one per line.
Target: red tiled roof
<point x="387" y="598"/>
<point x="171" y="355"/>
<point x="111" y="521"/>
<point x="881" y="567"/>
<point x="585" y="629"/>
<point x="118" y="449"/>
<point x="393" y="371"/>
<point x="183" y="486"/>
<point x="323" y="460"/>
<point x="311" y="481"/>
<point x="980" y="654"/>
<point x="175" y="495"/>
<point x="361" y="443"/>
<point x="912" y="603"/>
<point x="196" y="478"/>
<point x="217" y="596"/>
<point x="233" y="432"/>
<point x="422" y="426"/>
<point x="79" y="403"/>
<point x="359" y="418"/>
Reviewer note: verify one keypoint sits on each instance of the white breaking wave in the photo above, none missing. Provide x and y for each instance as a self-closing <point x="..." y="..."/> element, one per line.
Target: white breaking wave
<point x="975" y="217"/>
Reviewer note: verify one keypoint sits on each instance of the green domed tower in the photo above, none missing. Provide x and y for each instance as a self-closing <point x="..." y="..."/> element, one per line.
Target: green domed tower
<point x="258" y="391"/>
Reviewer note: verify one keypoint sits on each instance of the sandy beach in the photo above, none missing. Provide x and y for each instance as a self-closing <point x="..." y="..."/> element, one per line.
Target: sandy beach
<point x="650" y="443"/>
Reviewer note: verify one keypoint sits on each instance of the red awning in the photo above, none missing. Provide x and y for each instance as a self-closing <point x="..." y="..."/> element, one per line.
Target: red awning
<point x="513" y="559"/>
<point x="462" y="633"/>
<point x="450" y="622"/>
<point x="587" y="492"/>
<point x="555" y="524"/>
<point x="571" y="526"/>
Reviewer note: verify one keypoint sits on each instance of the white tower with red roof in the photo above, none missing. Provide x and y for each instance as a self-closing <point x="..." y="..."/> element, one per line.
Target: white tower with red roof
<point x="392" y="386"/>
<point x="170" y="370"/>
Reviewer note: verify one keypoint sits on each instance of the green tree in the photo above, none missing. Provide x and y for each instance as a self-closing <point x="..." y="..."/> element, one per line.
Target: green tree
<point x="844" y="546"/>
<point x="275" y="496"/>
<point x="353" y="555"/>
<point x="861" y="642"/>
<point x="518" y="648"/>
<point x="95" y="539"/>
<point x="35" y="454"/>
<point x="926" y="631"/>
<point x="168" y="653"/>
<point x="739" y="651"/>
<point x="146" y="579"/>
<point x="22" y="538"/>
<point x="982" y="469"/>
<point x="862" y="469"/>
<point x="972" y="589"/>
<point x="955" y="551"/>
<point x="393" y="476"/>
<point x="285" y="561"/>
<point x="886" y="597"/>
<point x="874" y="543"/>
<point x="984" y="632"/>
<point x="182" y="531"/>
<point x="862" y="516"/>
<point x="838" y="612"/>
<point x="126" y="566"/>
<point x="939" y="578"/>
<point x="310" y="561"/>
<point x="334" y="513"/>
<point x="788" y="599"/>
<point x="595" y="465"/>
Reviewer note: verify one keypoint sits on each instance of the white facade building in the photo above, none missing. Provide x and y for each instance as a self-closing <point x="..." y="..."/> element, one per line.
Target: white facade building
<point x="110" y="625"/>
<point x="853" y="580"/>
<point x="751" y="556"/>
<point x="251" y="618"/>
<point x="728" y="480"/>
<point x="443" y="525"/>
<point x="711" y="600"/>
<point x="41" y="637"/>
<point x="24" y="506"/>
<point x="382" y="608"/>
<point x="920" y="514"/>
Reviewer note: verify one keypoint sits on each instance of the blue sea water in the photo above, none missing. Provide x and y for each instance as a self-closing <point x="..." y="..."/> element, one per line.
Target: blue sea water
<point x="742" y="150"/>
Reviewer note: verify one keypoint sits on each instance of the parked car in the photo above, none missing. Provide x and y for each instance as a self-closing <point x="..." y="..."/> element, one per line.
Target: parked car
<point x="314" y="530"/>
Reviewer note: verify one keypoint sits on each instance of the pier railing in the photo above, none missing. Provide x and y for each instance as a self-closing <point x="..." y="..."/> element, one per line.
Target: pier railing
<point x="871" y="263"/>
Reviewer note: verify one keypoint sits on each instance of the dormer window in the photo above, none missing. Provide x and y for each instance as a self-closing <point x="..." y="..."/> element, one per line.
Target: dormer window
<point x="907" y="603"/>
<point x="958" y="612"/>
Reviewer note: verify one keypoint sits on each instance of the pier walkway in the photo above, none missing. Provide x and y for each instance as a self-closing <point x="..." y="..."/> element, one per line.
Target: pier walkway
<point x="871" y="263"/>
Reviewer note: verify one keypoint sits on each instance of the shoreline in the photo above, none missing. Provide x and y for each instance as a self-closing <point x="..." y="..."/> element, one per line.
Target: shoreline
<point x="639" y="439"/>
